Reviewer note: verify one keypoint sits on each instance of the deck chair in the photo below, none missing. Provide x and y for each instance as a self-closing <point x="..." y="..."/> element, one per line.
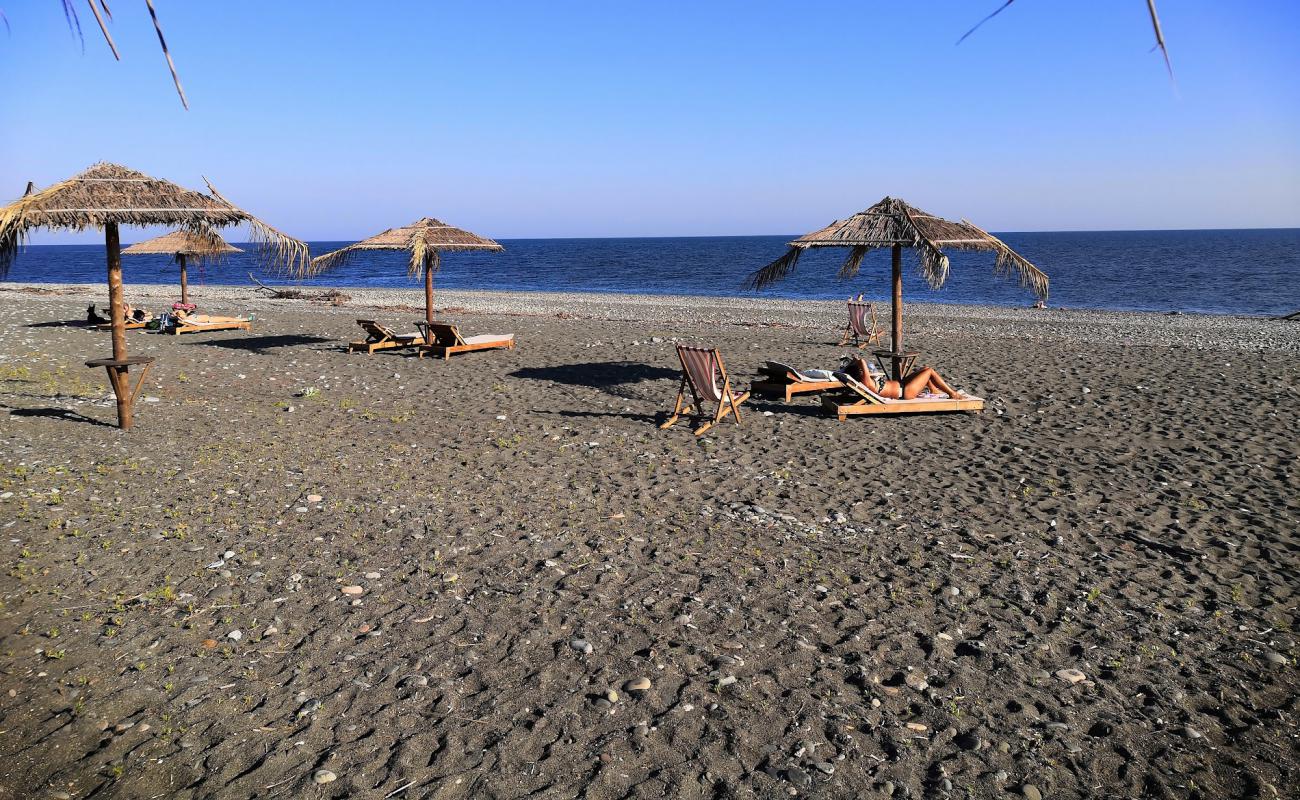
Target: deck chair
<point x="445" y="340"/>
<point x="863" y="327"/>
<point x="862" y="399"/>
<point x="706" y="377"/>
<point x="381" y="337"/>
<point x="779" y="379"/>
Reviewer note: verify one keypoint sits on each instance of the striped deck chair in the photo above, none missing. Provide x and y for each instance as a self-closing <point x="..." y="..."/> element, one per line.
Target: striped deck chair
<point x="706" y="377"/>
<point x="863" y="327"/>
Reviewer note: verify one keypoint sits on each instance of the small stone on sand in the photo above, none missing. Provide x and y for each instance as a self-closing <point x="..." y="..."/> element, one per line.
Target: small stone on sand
<point x="324" y="776"/>
<point x="1072" y="676"/>
<point x="638" y="685"/>
<point x="352" y="590"/>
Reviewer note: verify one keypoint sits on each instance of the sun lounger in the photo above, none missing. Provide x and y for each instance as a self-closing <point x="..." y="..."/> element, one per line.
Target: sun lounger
<point x="863" y="399"/>
<point x="779" y="379"/>
<point x="863" y="328"/>
<point x="706" y="377"/>
<point x="201" y="323"/>
<point x="445" y="340"/>
<point x="381" y="337"/>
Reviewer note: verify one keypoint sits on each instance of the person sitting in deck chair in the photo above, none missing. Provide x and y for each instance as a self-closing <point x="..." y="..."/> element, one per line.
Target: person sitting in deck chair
<point x="911" y="387"/>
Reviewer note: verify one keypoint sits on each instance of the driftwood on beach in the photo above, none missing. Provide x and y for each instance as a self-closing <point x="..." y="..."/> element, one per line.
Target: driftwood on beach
<point x="332" y="296"/>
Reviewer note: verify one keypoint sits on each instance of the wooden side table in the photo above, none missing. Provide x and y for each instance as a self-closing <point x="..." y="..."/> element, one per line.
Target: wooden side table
<point x="896" y="365"/>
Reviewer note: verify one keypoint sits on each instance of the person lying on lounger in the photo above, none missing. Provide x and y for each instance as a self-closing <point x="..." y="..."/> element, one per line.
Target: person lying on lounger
<point x="133" y="314"/>
<point x="191" y="318"/>
<point x="921" y="380"/>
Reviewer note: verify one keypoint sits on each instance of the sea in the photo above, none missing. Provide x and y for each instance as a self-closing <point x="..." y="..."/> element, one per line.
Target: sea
<point x="1244" y="272"/>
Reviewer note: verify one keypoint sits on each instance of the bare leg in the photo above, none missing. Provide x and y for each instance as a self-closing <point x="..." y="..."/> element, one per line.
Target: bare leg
<point x="927" y="378"/>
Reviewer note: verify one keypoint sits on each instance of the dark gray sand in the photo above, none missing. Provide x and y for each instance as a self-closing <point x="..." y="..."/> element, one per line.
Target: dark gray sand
<point x="311" y="574"/>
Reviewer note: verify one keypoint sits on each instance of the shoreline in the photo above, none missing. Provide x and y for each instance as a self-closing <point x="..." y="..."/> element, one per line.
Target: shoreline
<point x="1134" y="328"/>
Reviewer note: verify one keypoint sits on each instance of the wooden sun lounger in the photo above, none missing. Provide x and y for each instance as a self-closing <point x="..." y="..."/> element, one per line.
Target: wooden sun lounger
<point x="706" y="377"/>
<point x="779" y="379"/>
<point x="870" y="402"/>
<point x="381" y="337"/>
<point x="180" y="326"/>
<point x="445" y="340"/>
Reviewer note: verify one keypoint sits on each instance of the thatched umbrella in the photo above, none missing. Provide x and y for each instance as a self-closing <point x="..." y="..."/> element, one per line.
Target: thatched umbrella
<point x="202" y="246"/>
<point x="426" y="238"/>
<point x="894" y="224"/>
<point x="107" y="196"/>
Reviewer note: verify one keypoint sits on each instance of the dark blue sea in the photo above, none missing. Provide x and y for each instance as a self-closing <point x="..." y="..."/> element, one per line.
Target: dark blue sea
<point x="1254" y="272"/>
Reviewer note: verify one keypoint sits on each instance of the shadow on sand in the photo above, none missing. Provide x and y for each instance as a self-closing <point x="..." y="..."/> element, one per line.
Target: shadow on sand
<point x="261" y="344"/>
<point x="57" y="413"/>
<point x="598" y="374"/>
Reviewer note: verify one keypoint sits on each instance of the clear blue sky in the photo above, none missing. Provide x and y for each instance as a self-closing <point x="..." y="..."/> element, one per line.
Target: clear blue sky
<point x="334" y="120"/>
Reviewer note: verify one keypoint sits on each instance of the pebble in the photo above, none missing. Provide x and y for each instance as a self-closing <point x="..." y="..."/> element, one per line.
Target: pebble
<point x="352" y="590"/>
<point x="235" y="634"/>
<point x="1031" y="792"/>
<point x="582" y="646"/>
<point x="611" y="695"/>
<point x="638" y="685"/>
<point x="1191" y="732"/>
<point x="324" y="776"/>
<point x="1071" y="676"/>
<point x="825" y="767"/>
<point x="727" y="681"/>
<point x="314" y="498"/>
<point x="1276" y="658"/>
<point x="798" y="777"/>
<point x="916" y="680"/>
<point x="229" y="554"/>
<point x="916" y="726"/>
<point x="372" y="576"/>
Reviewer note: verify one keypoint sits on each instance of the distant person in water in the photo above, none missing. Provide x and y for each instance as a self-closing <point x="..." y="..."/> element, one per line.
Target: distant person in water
<point x="910" y="388"/>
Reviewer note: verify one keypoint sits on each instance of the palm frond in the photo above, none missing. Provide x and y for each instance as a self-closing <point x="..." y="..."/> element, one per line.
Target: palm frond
<point x="176" y="79"/>
<point x="854" y="262"/>
<point x="94" y="9"/>
<point x="1000" y="9"/>
<point x="279" y="250"/>
<point x="775" y="271"/>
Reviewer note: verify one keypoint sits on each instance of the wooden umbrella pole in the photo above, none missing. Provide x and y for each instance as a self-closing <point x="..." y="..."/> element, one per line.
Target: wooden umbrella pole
<point x="896" y="308"/>
<point x="428" y="291"/>
<point x="185" y="283"/>
<point x="117" y="313"/>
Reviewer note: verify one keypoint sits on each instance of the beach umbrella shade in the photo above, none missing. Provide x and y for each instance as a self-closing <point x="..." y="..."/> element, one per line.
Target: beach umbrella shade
<point x="107" y="196"/>
<point x="426" y="239"/>
<point x="894" y="224"/>
<point x="200" y="246"/>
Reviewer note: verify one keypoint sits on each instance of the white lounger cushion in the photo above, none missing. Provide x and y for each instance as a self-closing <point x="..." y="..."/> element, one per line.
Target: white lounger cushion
<point x="485" y="338"/>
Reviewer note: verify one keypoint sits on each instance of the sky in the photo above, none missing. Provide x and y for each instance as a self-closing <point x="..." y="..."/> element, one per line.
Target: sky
<point x="334" y="120"/>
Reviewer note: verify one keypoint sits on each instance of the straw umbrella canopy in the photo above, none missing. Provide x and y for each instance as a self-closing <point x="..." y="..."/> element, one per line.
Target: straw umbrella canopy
<point x="426" y="239"/>
<point x="894" y="224"/>
<point x="202" y="246"/>
<point x="106" y="196"/>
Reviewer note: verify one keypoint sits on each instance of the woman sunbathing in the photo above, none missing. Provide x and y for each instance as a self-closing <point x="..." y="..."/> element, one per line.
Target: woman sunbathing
<point x="190" y="318"/>
<point x="911" y="387"/>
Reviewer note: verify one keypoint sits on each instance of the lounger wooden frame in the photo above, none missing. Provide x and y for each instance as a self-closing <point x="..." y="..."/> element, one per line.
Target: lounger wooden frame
<point x="381" y="337"/>
<point x="863" y="328"/>
<point x="445" y="341"/>
<point x="699" y="364"/>
<point x="130" y="326"/>
<point x="870" y="402"/>
<point x="234" y="325"/>
<point x="786" y="381"/>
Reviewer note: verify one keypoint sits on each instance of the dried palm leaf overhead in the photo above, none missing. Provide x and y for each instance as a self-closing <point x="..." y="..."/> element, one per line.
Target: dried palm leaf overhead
<point x="893" y="222"/>
<point x="424" y="238"/>
<point x="198" y="245"/>
<point x="109" y="193"/>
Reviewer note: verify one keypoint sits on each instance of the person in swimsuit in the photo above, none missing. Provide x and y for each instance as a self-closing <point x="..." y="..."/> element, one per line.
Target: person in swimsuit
<point x="910" y="388"/>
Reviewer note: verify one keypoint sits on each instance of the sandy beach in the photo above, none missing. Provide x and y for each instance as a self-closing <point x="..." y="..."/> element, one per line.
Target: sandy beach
<point x="312" y="574"/>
